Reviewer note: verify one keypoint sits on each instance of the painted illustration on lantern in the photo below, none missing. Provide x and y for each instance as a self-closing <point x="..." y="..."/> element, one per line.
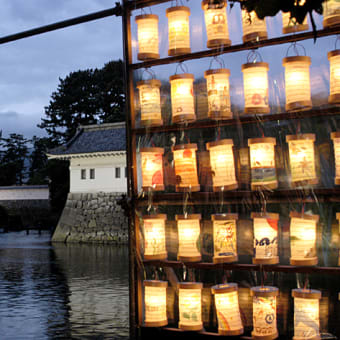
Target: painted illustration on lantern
<point x="265" y="238"/>
<point x="191" y="307"/>
<point x="306" y="318"/>
<point x="154" y="234"/>
<point x="225" y="238"/>
<point x="302" y="161"/>
<point x="264" y="315"/>
<point x="153" y="162"/>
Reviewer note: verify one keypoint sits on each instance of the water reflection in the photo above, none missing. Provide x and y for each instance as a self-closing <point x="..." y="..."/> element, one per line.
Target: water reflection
<point x="64" y="291"/>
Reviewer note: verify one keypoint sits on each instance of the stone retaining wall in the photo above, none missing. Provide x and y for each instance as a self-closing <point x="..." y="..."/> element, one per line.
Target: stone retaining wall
<point x="92" y="218"/>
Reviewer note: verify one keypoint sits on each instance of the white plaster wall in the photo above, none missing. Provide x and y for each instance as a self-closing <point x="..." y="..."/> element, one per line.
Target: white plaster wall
<point x="24" y="194"/>
<point x="104" y="174"/>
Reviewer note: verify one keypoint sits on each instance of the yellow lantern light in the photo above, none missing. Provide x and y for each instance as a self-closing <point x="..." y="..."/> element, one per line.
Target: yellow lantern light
<point x="190" y="306"/>
<point x="264" y="312"/>
<point x="303" y="239"/>
<point x="147" y="32"/>
<point x="334" y="60"/>
<point x="178" y="28"/>
<point x="338" y="218"/>
<point x="225" y="237"/>
<point x="155" y="303"/>
<point x="189" y="231"/>
<point x="290" y="25"/>
<point x="182" y="98"/>
<point x="216" y="23"/>
<point x="186" y="167"/>
<point x="222" y="165"/>
<point x="298" y="92"/>
<point x="227" y="309"/>
<point x="150" y="102"/>
<point x="152" y="168"/>
<point x="254" y="29"/>
<point x="262" y="163"/>
<point x="331" y="13"/>
<point x="265" y="238"/>
<point x="306" y="314"/>
<point x="302" y="159"/>
<point x="154" y="237"/>
<point x="218" y="94"/>
<point x="255" y="80"/>
<point x="336" y="142"/>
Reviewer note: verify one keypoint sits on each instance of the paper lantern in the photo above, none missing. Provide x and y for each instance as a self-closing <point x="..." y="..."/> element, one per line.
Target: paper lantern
<point x="225" y="237"/>
<point x="255" y="80"/>
<point x="302" y="159"/>
<point x="189" y="231"/>
<point x="222" y="165"/>
<point x="306" y="314"/>
<point x="147" y="32"/>
<point x="264" y="312"/>
<point x="154" y="237"/>
<point x="334" y="60"/>
<point x="178" y="28"/>
<point x="265" y="238"/>
<point x="216" y="23"/>
<point x="227" y="309"/>
<point x="262" y="163"/>
<point x="218" y="94"/>
<point x="190" y="306"/>
<point x="298" y="93"/>
<point x="331" y="13"/>
<point x="338" y="218"/>
<point x="182" y="98"/>
<point x="303" y="239"/>
<point x="155" y="303"/>
<point x="150" y="102"/>
<point x="254" y="29"/>
<point x="336" y="142"/>
<point x="186" y="167"/>
<point x="290" y="25"/>
<point x="152" y="168"/>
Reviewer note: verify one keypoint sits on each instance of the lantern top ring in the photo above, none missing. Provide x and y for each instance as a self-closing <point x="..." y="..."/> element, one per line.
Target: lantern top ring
<point x="304" y="216"/>
<point x="190" y="285"/>
<point x="270" y="140"/>
<point x="224" y="288"/>
<point x="189" y="217"/>
<point x="217" y="71"/>
<point x="335" y="135"/>
<point x="178" y="8"/>
<point x="272" y="216"/>
<point x="208" y="4"/>
<point x="154" y="217"/>
<point x="338" y="216"/>
<point x="184" y="147"/>
<point x="151" y="82"/>
<point x="306" y="293"/>
<point x="264" y="291"/>
<point x="219" y="142"/>
<point x="333" y="53"/>
<point x="156" y="150"/>
<point x="146" y="16"/>
<point x="293" y="59"/>
<point x="257" y="64"/>
<point x="182" y="76"/>
<point x="223" y="217"/>
<point x="301" y="136"/>
<point x="155" y="283"/>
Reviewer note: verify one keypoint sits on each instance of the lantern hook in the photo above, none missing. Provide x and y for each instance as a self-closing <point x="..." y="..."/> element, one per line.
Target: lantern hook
<point x="219" y="60"/>
<point x="149" y="72"/>
<point x="253" y="56"/>
<point x="182" y="66"/>
<point x="144" y="12"/>
<point x="294" y="45"/>
<point x="337" y="40"/>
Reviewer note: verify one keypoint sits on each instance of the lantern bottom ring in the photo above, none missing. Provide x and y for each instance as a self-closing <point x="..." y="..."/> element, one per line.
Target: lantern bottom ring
<point x="151" y="122"/>
<point x="184" y="118"/>
<point x="198" y="327"/>
<point x="337" y="181"/>
<point x="316" y="337"/>
<point x="264" y="186"/>
<point x="305" y="182"/>
<point x="263" y="260"/>
<point x="300" y="105"/>
<point x="216" y="43"/>
<point x="225" y="259"/>
<point x="312" y="261"/>
<point x="173" y="52"/>
<point x="333" y="21"/>
<point x="256" y="109"/>
<point x="265" y="337"/>
<point x="155" y="323"/>
<point x="188" y="188"/>
<point x="225" y="187"/>
<point x="230" y="332"/>
<point x="220" y="115"/>
<point x="196" y="258"/>
<point x="147" y="56"/>
<point x="334" y="98"/>
<point x="295" y="28"/>
<point x="253" y="37"/>
<point x="157" y="187"/>
<point x="163" y="256"/>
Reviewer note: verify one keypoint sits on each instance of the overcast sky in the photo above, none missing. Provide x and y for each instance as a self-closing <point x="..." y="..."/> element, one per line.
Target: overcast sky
<point x="30" y="68"/>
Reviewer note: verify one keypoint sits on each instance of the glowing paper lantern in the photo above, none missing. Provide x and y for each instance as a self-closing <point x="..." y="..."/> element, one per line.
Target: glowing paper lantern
<point x="336" y="141"/>
<point x="290" y="25"/>
<point x="150" y="102"/>
<point x="152" y="168"/>
<point x="218" y="93"/>
<point x="222" y="165"/>
<point x="255" y="80"/>
<point x="147" y="32"/>
<point x="262" y="163"/>
<point x="227" y="309"/>
<point x="216" y="23"/>
<point x="338" y="218"/>
<point x="331" y="13"/>
<point x="182" y="98"/>
<point x="190" y="306"/>
<point x="302" y="159"/>
<point x="225" y="238"/>
<point x="264" y="312"/>
<point x="155" y="303"/>
<point x="178" y="27"/>
<point x="254" y="29"/>
<point x="189" y="230"/>
<point x="265" y="238"/>
<point x="298" y="93"/>
<point x="334" y="60"/>
<point x="303" y="239"/>
<point x="186" y="167"/>
<point x="154" y="237"/>
<point x="306" y="314"/>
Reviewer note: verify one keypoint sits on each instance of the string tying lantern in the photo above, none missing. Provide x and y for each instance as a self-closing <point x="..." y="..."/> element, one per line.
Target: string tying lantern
<point x="254" y="29"/>
<point x="225" y="237"/>
<point x="290" y="25"/>
<point x="264" y="312"/>
<point x="152" y="168"/>
<point x="154" y="237"/>
<point x="335" y="136"/>
<point x="147" y="33"/>
<point x="331" y="13"/>
<point x="334" y="61"/>
<point x="190" y="306"/>
<point x="155" y="303"/>
<point x="216" y="23"/>
<point x="178" y="28"/>
<point x="189" y="231"/>
<point x="303" y="239"/>
<point x="265" y="238"/>
<point x="222" y="165"/>
<point x="227" y="309"/>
